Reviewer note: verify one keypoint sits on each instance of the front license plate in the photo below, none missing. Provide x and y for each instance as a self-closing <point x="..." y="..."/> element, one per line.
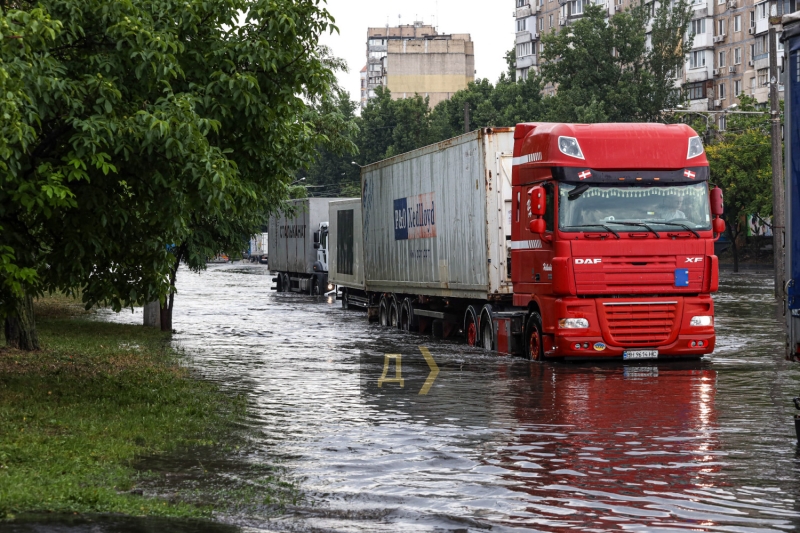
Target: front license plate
<point x="640" y="354"/>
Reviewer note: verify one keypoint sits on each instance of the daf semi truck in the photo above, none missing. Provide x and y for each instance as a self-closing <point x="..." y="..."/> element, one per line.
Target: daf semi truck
<point x="298" y="247"/>
<point x="547" y="240"/>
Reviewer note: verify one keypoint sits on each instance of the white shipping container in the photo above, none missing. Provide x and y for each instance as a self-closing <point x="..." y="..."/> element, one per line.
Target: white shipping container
<point x="346" y="262"/>
<point x="437" y="221"/>
<point x="291" y="242"/>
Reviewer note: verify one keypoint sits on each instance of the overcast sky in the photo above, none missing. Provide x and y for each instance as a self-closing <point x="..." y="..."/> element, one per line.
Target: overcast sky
<point x="490" y="23"/>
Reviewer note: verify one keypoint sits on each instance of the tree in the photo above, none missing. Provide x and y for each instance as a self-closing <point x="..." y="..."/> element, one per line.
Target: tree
<point x="137" y="135"/>
<point x="740" y="163"/>
<point x="511" y="63"/>
<point x="605" y="70"/>
<point x="506" y="103"/>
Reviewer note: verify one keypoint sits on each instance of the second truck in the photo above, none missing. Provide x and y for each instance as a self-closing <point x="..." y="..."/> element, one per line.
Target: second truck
<point x="545" y="240"/>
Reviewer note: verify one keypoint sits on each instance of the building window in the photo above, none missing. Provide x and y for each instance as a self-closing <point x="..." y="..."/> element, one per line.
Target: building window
<point x="752" y="51"/>
<point x="752" y="85"/>
<point x="721" y="27"/>
<point x="521" y="3"/>
<point x="762" y="46"/>
<point x="752" y="19"/>
<point x="737" y="88"/>
<point x="541" y="23"/>
<point x="780" y="43"/>
<point x="761" y="9"/>
<point x="737" y="56"/>
<point x="721" y="89"/>
<point x="525" y="49"/>
<point x="737" y="23"/>
<point x="696" y="91"/>
<point x="721" y="62"/>
<point x="551" y="21"/>
<point x="522" y="24"/>
<point x="723" y="123"/>
<point x="762" y="77"/>
<point x="576" y="7"/>
<point x="697" y="59"/>
<point x="698" y="26"/>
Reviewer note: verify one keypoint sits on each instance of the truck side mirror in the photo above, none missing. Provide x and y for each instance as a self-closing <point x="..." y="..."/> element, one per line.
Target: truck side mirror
<point x="717" y="206"/>
<point x="316" y="237"/>
<point x="538" y="201"/>
<point x="538" y="226"/>
<point x="718" y="225"/>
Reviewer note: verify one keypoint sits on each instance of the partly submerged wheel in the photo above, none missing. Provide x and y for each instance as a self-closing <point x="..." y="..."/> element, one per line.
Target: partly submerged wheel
<point x="383" y="312"/>
<point x="471" y="326"/>
<point x="345" y="299"/>
<point x="487" y="335"/>
<point x="533" y="337"/>
<point x="394" y="314"/>
<point x="287" y="283"/>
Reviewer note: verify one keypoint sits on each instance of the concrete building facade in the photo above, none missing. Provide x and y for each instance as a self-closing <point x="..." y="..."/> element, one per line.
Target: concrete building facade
<point x="415" y="59"/>
<point x="729" y="55"/>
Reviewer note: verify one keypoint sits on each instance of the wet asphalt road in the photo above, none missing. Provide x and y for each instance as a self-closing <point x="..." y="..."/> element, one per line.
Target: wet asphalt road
<point x="496" y="443"/>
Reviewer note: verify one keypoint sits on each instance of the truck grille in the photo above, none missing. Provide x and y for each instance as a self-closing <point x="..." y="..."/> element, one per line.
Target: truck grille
<point x="640" y="324"/>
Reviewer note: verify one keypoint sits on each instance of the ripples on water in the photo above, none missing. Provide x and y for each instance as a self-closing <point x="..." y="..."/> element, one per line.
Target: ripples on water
<point x="498" y="443"/>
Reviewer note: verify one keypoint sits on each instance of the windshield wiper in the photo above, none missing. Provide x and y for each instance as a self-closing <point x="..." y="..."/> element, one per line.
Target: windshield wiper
<point x="684" y="226"/>
<point x="579" y="190"/>
<point x="639" y="224"/>
<point x="597" y="226"/>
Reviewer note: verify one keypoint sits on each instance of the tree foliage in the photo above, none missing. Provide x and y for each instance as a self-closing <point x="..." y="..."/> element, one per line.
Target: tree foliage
<point x="604" y="69"/>
<point x="741" y="163"/>
<point x="139" y="133"/>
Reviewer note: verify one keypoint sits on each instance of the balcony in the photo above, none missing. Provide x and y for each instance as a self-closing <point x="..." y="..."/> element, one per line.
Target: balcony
<point x="523" y="37"/>
<point x="701" y="41"/>
<point x="762" y="26"/>
<point x="522" y="12"/>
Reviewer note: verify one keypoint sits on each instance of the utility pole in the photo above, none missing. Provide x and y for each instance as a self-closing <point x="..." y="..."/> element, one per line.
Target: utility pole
<point x="778" y="186"/>
<point x="466" y="117"/>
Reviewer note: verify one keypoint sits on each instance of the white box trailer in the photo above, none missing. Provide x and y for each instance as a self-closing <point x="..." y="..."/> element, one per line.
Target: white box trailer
<point x="259" y="248"/>
<point x="437" y="221"/>
<point x="298" y="252"/>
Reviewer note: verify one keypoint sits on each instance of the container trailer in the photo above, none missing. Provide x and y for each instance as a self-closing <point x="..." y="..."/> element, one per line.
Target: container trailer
<point x="547" y="240"/>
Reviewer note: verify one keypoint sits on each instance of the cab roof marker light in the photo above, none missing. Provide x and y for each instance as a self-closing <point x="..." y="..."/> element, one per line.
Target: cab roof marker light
<point x="695" y="147"/>
<point x="569" y="146"/>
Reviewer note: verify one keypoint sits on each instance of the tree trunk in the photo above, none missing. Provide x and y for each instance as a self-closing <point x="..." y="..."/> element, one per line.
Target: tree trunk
<point x="734" y="248"/>
<point x="169" y="302"/>
<point x="20" y="329"/>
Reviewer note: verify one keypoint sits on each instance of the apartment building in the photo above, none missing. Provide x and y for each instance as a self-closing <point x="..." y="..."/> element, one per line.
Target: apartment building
<point x="415" y="59"/>
<point x="729" y="55"/>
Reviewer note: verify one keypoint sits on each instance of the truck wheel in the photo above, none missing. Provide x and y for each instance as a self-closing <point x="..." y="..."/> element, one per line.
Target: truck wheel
<point x="407" y="322"/>
<point x="279" y="287"/>
<point x="471" y="326"/>
<point x="287" y="283"/>
<point x="313" y="286"/>
<point x="383" y="312"/>
<point x="487" y="335"/>
<point x="345" y="299"/>
<point x="394" y="312"/>
<point x="533" y="337"/>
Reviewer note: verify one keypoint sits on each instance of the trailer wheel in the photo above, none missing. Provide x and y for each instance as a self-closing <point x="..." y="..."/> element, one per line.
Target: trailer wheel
<point x="345" y="299"/>
<point x="533" y="337"/>
<point x="407" y="320"/>
<point x="471" y="326"/>
<point x="287" y="283"/>
<point x="314" y="286"/>
<point x="394" y="314"/>
<point x="383" y="312"/>
<point x="487" y="335"/>
<point x="279" y="286"/>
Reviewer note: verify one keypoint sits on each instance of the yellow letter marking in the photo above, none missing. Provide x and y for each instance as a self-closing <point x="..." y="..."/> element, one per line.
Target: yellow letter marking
<point x="398" y="373"/>
<point x="434" y="370"/>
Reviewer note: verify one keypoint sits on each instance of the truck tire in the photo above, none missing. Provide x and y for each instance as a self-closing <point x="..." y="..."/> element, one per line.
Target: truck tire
<point x="383" y="312"/>
<point x="394" y="314"/>
<point x="287" y="283"/>
<point x="407" y="320"/>
<point x="279" y="283"/>
<point x="471" y="331"/>
<point x="345" y="299"/>
<point x="533" y="337"/>
<point x="487" y="334"/>
<point x="313" y="286"/>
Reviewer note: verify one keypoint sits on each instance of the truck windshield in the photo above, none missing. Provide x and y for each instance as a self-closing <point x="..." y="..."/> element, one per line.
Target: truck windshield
<point x="633" y="208"/>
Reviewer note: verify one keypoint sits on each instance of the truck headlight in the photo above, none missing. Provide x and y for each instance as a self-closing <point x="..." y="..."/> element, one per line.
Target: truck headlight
<point x="573" y="323"/>
<point x="695" y="147"/>
<point x="702" y="321"/>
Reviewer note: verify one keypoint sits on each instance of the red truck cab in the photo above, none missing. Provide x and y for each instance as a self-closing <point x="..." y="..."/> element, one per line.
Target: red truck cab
<point x="612" y="241"/>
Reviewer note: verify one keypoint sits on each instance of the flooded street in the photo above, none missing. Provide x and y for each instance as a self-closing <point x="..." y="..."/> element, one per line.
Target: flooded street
<point x="493" y="442"/>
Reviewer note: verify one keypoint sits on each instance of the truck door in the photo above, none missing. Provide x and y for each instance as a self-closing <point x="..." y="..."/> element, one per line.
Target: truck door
<point x="532" y="254"/>
<point x="505" y="192"/>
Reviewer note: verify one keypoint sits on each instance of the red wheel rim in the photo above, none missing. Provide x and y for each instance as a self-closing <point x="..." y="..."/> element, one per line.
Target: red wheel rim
<point x="533" y="344"/>
<point x="472" y="334"/>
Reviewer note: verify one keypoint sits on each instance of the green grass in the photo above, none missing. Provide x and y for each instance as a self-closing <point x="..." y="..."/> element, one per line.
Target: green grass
<point x="75" y="416"/>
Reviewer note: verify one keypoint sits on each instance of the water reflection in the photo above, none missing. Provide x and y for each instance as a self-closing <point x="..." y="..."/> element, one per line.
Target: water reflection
<point x="496" y="442"/>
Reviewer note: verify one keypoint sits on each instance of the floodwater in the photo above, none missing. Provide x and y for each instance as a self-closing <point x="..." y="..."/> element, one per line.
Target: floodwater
<point x="493" y="442"/>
